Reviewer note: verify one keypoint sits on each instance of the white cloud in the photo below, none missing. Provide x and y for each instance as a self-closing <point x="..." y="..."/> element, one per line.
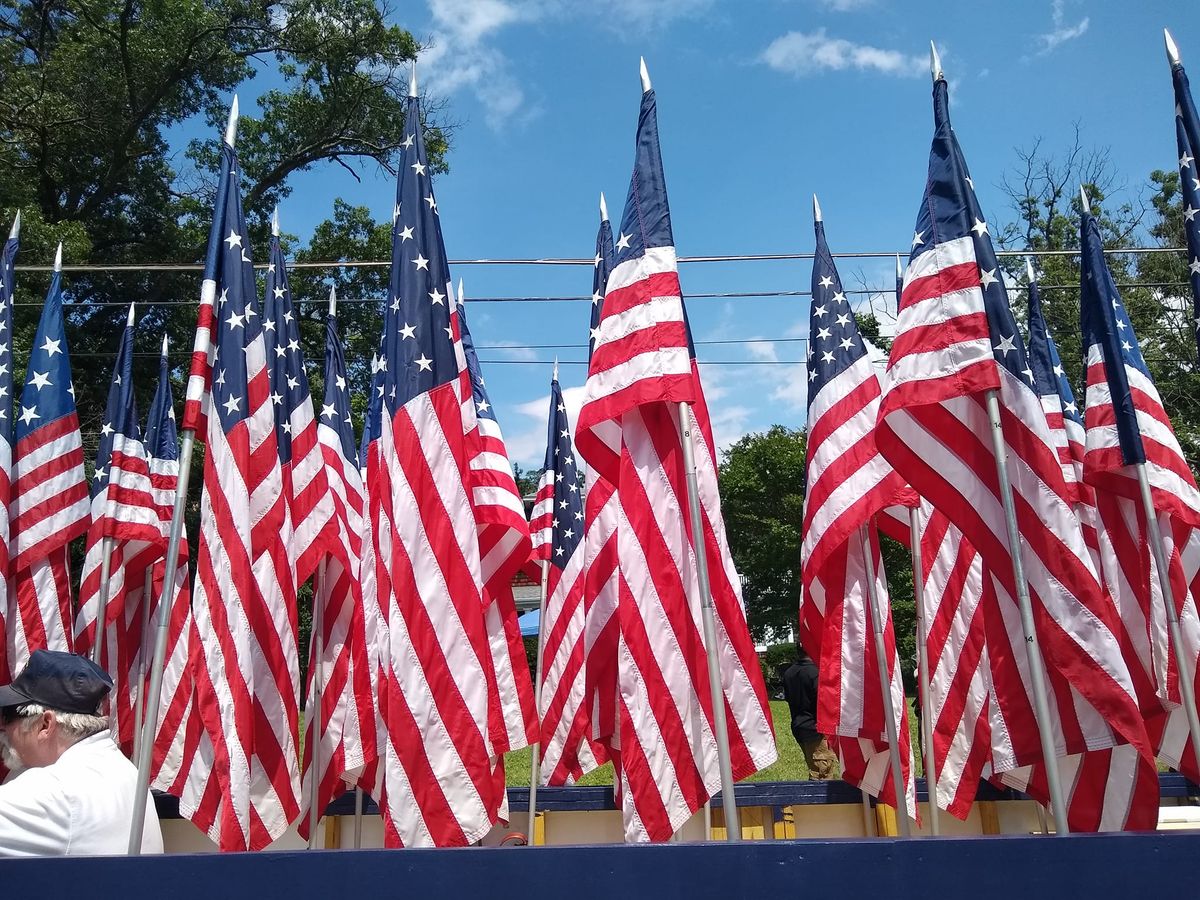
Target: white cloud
<point x="525" y="437"/>
<point x="800" y="53"/>
<point x="1060" y="31"/>
<point x="513" y="350"/>
<point x="846" y="5"/>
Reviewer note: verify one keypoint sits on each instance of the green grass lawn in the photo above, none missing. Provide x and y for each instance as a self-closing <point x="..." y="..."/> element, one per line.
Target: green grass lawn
<point x="789" y="767"/>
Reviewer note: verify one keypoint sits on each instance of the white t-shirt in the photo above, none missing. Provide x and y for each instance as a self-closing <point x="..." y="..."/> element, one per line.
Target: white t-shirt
<point x="81" y="805"/>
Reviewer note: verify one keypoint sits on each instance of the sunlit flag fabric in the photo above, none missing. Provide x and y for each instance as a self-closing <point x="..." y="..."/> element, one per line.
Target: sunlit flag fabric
<point x="1114" y="788"/>
<point x="439" y="777"/>
<point x="848" y="484"/>
<point x="347" y="712"/>
<point x="956" y="341"/>
<point x="49" y="493"/>
<point x="8" y="285"/>
<point x="601" y="512"/>
<point x="1187" y="138"/>
<point x="123" y="510"/>
<point x="642" y="370"/>
<point x="564" y="715"/>
<point x="504" y="548"/>
<point x="244" y="606"/>
<point x="179" y="727"/>
<point x="306" y="484"/>
<point x="1127" y="427"/>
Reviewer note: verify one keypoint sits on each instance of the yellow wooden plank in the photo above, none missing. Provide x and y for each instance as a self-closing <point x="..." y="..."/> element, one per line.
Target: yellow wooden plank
<point x="989" y="816"/>
<point x="885" y="820"/>
<point x="333" y="832"/>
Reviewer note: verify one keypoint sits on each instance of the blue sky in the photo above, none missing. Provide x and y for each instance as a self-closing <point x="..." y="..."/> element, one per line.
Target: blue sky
<point x="760" y="105"/>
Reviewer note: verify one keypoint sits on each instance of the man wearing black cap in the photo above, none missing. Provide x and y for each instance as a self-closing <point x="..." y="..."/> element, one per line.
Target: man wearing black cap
<point x="72" y="793"/>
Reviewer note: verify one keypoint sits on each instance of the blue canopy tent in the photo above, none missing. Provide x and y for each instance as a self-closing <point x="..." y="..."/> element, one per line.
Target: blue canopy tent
<point x="529" y="623"/>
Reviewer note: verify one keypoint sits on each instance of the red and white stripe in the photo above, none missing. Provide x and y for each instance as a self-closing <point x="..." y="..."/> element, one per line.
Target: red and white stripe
<point x="49" y="509"/>
<point x="640" y="371"/>
<point x="197" y="396"/>
<point x="348" y="711"/>
<point x="245" y="613"/>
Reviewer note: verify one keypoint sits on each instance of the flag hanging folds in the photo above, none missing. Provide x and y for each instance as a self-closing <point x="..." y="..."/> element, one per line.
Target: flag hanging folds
<point x="306" y="484"/>
<point x="1128" y="428"/>
<point x="439" y="782"/>
<point x="642" y="370"/>
<point x="7" y="287"/>
<point x="180" y="729"/>
<point x="848" y="484"/>
<point x="563" y="712"/>
<point x="347" y="710"/>
<point x="244" y="599"/>
<point x="958" y="342"/>
<point x="49" y="505"/>
<point x="124" y="513"/>
<point x="1115" y="788"/>
<point x="504" y="548"/>
<point x="1187" y="138"/>
<point x="601" y="512"/>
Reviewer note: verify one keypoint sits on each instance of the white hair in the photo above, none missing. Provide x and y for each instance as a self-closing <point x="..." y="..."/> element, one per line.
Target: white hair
<point x="75" y="726"/>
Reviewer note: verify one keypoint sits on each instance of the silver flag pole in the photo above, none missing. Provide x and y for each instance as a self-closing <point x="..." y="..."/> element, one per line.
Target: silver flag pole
<point x="318" y="636"/>
<point x="733" y="827"/>
<point x="914" y="528"/>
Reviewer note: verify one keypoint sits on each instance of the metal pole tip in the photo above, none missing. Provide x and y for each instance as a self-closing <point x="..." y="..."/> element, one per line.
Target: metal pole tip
<point x="1083" y="199"/>
<point x="15" y="232"/>
<point x="603" y="208"/>
<point x="1029" y="270"/>
<point x="165" y="344"/>
<point x="645" y="73"/>
<point x="554" y="376"/>
<point x="935" y="63"/>
<point x="332" y="301"/>
<point x="412" y="80"/>
<point x="58" y="258"/>
<point x="129" y="321"/>
<point x="231" y="125"/>
<point x="816" y="209"/>
<point x="1172" y="49"/>
<point x="275" y="222"/>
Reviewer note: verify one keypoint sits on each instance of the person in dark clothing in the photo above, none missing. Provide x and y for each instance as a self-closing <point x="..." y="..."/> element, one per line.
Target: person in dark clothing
<point x="800" y="691"/>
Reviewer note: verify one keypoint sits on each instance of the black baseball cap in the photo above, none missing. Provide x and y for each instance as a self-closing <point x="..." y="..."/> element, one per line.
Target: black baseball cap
<point x="60" y="681"/>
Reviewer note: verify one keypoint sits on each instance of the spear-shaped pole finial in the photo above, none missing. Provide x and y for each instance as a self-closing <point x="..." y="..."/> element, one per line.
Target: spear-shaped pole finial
<point x="15" y="231"/>
<point x="129" y="321"/>
<point x="332" y="301"/>
<point x="412" y="80"/>
<point x="275" y="222"/>
<point x="1172" y="49"/>
<point x="165" y="344"/>
<point x="1083" y="199"/>
<point x="935" y="63"/>
<point x="554" y="377"/>
<point x="231" y="125"/>
<point x="460" y="292"/>
<point x="603" y="208"/>
<point x="899" y="268"/>
<point x="1029" y="273"/>
<point x="645" y="76"/>
<point x="816" y="209"/>
<point x="58" y="258"/>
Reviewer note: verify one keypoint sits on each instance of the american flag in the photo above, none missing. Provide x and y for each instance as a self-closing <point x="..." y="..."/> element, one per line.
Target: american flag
<point x="504" y="547"/>
<point x="1114" y="788"/>
<point x="8" y="284"/>
<point x="439" y="775"/>
<point x="957" y="342"/>
<point x="848" y="485"/>
<point x="1127" y="427"/>
<point x="563" y="711"/>
<point x="641" y="370"/>
<point x="124" y="513"/>
<point x="601" y="513"/>
<point x="347" y="711"/>
<point x="306" y="484"/>
<point x="49" y="505"/>
<point x="244" y="599"/>
<point x="179" y="729"/>
<point x="1187" y="138"/>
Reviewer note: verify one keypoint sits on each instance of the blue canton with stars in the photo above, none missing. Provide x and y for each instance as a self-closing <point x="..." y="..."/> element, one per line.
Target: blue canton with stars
<point x="567" y="530"/>
<point x="1104" y="322"/>
<point x="49" y="394"/>
<point x="646" y="221"/>
<point x="238" y="322"/>
<point x="160" y="437"/>
<point x="603" y="265"/>
<point x="834" y="343"/>
<point x="1187" y="139"/>
<point x="7" y="286"/>
<point x="483" y="404"/>
<point x="285" y="362"/>
<point x="417" y="349"/>
<point x="950" y="211"/>
<point x="335" y="412"/>
<point x="1049" y="377"/>
<point x="120" y="413"/>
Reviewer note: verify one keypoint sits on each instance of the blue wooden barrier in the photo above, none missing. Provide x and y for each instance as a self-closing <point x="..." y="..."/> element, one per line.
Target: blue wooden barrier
<point x="1093" y="866"/>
